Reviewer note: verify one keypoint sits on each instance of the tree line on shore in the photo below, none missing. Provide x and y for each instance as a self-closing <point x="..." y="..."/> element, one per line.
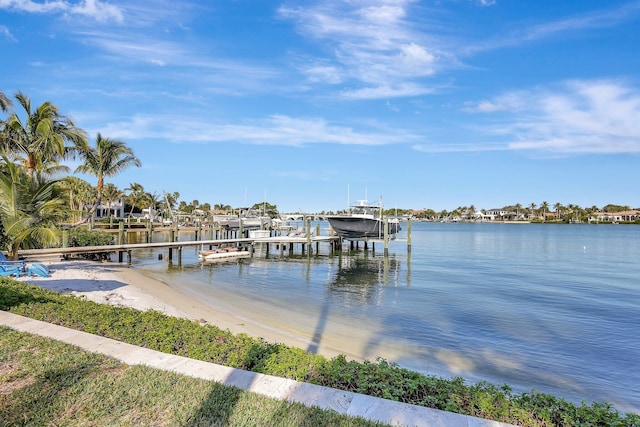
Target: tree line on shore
<point x="543" y="212"/>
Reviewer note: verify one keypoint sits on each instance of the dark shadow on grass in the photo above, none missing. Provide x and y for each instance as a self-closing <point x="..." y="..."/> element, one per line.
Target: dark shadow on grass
<point x="37" y="403"/>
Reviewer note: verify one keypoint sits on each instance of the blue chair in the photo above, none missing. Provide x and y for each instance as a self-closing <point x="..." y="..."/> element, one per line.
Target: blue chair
<point x="10" y="270"/>
<point x="38" y="270"/>
<point x="5" y="262"/>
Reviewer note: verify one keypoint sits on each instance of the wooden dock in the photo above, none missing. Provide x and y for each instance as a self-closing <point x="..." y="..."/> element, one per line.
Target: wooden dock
<point x="307" y="244"/>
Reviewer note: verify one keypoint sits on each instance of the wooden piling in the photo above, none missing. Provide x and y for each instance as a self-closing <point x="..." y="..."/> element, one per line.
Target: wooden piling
<point x="121" y="233"/>
<point x="386" y="237"/>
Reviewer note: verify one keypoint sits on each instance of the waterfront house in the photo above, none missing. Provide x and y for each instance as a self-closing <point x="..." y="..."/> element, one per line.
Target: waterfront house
<point x="624" y="216"/>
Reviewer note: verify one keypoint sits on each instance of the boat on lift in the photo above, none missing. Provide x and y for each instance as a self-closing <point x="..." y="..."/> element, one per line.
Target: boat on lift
<point x="363" y="222"/>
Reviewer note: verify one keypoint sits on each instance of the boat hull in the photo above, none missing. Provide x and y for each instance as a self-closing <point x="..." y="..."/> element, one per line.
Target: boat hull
<point x="356" y="228"/>
<point x="212" y="256"/>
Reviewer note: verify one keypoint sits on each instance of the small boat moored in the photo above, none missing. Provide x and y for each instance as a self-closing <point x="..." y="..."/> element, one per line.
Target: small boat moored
<point x="223" y="254"/>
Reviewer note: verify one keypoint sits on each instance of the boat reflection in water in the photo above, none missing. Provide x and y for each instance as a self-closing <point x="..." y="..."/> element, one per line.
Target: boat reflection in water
<point x="359" y="280"/>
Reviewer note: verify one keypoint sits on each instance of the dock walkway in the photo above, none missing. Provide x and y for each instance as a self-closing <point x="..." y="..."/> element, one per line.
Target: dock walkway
<point x="128" y="248"/>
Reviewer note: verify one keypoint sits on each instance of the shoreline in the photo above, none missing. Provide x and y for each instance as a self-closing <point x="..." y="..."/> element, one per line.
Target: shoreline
<point x="120" y="285"/>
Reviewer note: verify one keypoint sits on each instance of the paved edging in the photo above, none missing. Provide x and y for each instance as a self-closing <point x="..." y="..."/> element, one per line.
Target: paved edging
<point x="343" y="402"/>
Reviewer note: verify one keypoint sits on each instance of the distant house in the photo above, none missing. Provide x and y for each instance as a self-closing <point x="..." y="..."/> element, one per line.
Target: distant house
<point x="114" y="209"/>
<point x="624" y="216"/>
<point x="500" y="215"/>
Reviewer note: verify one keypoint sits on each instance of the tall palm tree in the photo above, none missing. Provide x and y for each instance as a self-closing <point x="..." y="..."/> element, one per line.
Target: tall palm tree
<point x="558" y="207"/>
<point x="111" y="193"/>
<point x="40" y="142"/>
<point x="136" y="195"/>
<point x="151" y="201"/>
<point x="29" y="210"/>
<point x="518" y="207"/>
<point x="108" y="158"/>
<point x="545" y="207"/>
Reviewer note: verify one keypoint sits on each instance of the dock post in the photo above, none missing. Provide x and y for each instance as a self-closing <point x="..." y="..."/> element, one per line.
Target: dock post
<point x="409" y="236"/>
<point x="120" y="256"/>
<point x="386" y="237"/>
<point x="176" y="235"/>
<point x="121" y="233"/>
<point x="309" y="247"/>
<point x="170" y="257"/>
<point x="129" y="258"/>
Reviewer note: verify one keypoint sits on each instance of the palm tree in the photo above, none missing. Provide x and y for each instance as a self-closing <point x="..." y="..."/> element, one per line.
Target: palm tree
<point x="136" y="195"/>
<point x="544" y="206"/>
<point x="221" y="207"/>
<point x="5" y="102"/>
<point x="111" y="193"/>
<point x="40" y="142"/>
<point x="518" y="207"/>
<point x="29" y="210"/>
<point x="78" y="193"/>
<point x="558" y="206"/>
<point x="152" y="200"/>
<point x="108" y="158"/>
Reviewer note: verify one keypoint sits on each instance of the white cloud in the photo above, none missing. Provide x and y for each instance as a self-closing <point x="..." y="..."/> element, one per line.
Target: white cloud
<point x="96" y="9"/>
<point x="5" y="33"/>
<point x="372" y="43"/>
<point x="606" y="17"/>
<point x="598" y="116"/>
<point x="100" y="11"/>
<point x="33" y="6"/>
<point x="381" y="91"/>
<point x="323" y="73"/>
<point x="274" y="130"/>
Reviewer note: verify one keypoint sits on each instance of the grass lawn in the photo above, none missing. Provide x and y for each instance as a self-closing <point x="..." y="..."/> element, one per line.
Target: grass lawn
<point x="45" y="382"/>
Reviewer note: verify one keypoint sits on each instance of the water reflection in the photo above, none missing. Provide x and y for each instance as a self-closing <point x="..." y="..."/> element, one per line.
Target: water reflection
<point x="359" y="279"/>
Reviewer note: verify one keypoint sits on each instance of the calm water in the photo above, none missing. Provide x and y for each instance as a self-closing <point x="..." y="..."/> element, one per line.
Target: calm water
<point x="555" y="308"/>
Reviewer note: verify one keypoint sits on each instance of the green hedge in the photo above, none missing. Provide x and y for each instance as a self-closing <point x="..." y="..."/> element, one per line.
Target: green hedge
<point x="381" y="378"/>
<point x="78" y="237"/>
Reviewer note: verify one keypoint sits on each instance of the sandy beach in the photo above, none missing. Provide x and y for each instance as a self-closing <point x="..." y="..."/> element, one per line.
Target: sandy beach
<point x="120" y="285"/>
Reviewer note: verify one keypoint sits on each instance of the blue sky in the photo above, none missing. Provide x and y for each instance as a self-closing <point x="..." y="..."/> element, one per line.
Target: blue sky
<point x="427" y="104"/>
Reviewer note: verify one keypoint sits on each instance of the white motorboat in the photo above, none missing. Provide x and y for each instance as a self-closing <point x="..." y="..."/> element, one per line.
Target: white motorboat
<point x="365" y="221"/>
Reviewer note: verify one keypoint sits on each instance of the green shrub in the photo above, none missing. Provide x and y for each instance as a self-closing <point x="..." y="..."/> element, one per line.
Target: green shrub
<point x="381" y="378"/>
<point x="78" y="237"/>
